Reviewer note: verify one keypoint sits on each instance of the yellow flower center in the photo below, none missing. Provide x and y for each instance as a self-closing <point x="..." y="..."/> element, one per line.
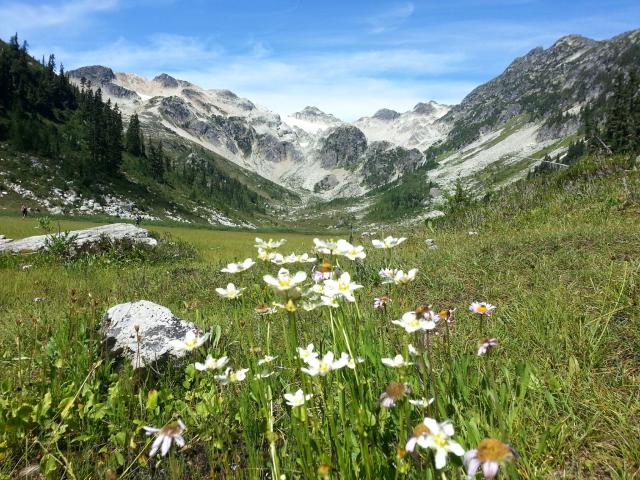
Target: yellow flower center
<point x="324" y="368"/>
<point x="440" y="440"/>
<point x="493" y="450"/>
<point x="290" y="306"/>
<point x="482" y="309"/>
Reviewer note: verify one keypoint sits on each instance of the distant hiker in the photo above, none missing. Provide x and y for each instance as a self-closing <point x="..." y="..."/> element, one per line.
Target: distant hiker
<point x="138" y="220"/>
<point x="25" y="211"/>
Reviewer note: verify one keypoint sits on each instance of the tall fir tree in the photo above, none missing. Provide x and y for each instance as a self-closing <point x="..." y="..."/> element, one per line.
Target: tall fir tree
<point x="134" y="139"/>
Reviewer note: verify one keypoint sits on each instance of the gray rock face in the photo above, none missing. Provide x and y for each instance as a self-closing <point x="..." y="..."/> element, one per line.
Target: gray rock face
<point x="386" y="114"/>
<point x="96" y="74"/>
<point x="424" y="108"/>
<point x="327" y="183"/>
<point x="384" y="162"/>
<point x="157" y="328"/>
<point x="342" y="147"/>
<point x="103" y="77"/>
<point x="545" y="82"/>
<point x="166" y="81"/>
<point x="117" y="91"/>
<point x="314" y="114"/>
<point x="115" y="231"/>
<point x="176" y="109"/>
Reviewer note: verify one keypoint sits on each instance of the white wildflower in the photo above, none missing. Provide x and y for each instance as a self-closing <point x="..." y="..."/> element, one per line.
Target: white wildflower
<point x="239" y="267"/>
<point x="388" y="242"/>
<point x="211" y="363"/>
<point x="297" y="399"/>
<point x="165" y="436"/>
<point x="231" y="291"/>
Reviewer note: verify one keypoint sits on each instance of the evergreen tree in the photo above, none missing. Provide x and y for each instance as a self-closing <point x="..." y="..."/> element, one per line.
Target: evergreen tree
<point x="134" y="140"/>
<point x="156" y="160"/>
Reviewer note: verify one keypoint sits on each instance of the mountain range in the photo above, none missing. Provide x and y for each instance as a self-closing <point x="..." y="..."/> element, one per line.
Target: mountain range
<point x="528" y="110"/>
<point x="494" y="136"/>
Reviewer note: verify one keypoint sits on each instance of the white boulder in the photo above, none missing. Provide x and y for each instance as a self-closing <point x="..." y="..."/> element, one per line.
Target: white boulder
<point x="115" y="231"/>
<point x="142" y="332"/>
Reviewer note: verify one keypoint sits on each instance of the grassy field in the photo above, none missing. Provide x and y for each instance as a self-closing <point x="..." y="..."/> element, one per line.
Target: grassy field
<point x="558" y="256"/>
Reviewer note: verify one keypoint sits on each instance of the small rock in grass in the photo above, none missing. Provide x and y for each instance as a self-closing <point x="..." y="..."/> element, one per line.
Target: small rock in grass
<point x="142" y="332"/>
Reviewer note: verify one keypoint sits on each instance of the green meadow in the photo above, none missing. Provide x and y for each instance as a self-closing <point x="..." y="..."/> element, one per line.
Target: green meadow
<point x="557" y="255"/>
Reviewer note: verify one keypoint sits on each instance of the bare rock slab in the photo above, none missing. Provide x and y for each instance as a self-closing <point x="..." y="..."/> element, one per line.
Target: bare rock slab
<point x="151" y="343"/>
<point x="115" y="231"/>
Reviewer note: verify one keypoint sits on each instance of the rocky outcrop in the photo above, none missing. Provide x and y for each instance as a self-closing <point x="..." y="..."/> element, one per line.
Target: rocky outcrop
<point x="384" y="162"/>
<point x="327" y="183"/>
<point x="142" y="332"/>
<point x="544" y="83"/>
<point x="386" y="114"/>
<point x="166" y="81"/>
<point x="425" y="108"/>
<point x="103" y="77"/>
<point x="176" y="109"/>
<point x="115" y="231"/>
<point x="96" y="74"/>
<point x="315" y="115"/>
<point x="343" y="147"/>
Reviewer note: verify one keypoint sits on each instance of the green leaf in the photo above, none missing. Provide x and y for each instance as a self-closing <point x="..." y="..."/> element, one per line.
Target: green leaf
<point x="119" y="458"/>
<point x="48" y="465"/>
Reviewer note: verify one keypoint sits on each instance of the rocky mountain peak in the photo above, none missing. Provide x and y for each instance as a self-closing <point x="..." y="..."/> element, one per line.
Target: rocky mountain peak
<point x="312" y="114"/>
<point x="166" y="81"/>
<point x="573" y="42"/>
<point x="97" y="74"/>
<point x="386" y="114"/>
<point x="425" y="108"/>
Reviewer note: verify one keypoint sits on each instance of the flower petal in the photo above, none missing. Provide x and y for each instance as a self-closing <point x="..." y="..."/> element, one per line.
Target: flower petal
<point x="490" y="469"/>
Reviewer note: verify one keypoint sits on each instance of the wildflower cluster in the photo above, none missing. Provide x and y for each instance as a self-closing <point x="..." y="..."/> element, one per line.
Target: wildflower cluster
<point x="326" y="392"/>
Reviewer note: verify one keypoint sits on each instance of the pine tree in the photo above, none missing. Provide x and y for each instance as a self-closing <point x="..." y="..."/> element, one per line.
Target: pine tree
<point x="156" y="160"/>
<point x="134" y="140"/>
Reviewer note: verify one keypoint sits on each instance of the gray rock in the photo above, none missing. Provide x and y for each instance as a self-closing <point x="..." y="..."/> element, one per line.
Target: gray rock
<point x="176" y="109"/>
<point x="544" y="83"/>
<point x="96" y="74"/>
<point x="384" y="162"/>
<point x="314" y="114"/>
<point x="115" y="231"/>
<point x="166" y="81"/>
<point x="425" y="108"/>
<point x="156" y="327"/>
<point x="327" y="183"/>
<point x="103" y="77"/>
<point x="343" y="147"/>
<point x="386" y="114"/>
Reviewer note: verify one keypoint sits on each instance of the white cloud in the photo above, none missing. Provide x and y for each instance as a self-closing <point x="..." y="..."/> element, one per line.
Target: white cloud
<point x="390" y="19"/>
<point x="25" y="17"/>
<point x="160" y="52"/>
<point x="348" y="84"/>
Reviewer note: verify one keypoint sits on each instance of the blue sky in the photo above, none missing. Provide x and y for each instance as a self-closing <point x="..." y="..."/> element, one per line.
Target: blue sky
<point x="348" y="57"/>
